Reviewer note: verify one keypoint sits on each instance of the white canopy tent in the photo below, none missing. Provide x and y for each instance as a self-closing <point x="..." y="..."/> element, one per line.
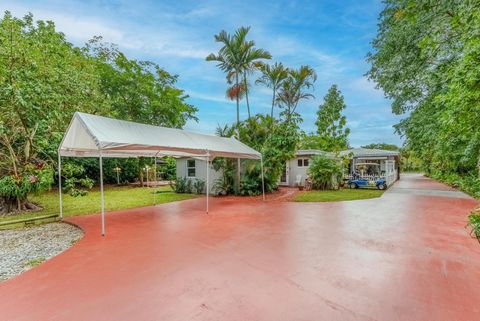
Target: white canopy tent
<point x="97" y="136"/>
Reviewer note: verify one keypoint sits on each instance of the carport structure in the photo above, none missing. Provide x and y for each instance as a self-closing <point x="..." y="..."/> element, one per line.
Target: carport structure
<point x="96" y="136"/>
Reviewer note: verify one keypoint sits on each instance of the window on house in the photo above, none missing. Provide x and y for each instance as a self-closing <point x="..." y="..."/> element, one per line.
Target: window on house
<point x="191" y="168"/>
<point x="302" y="162"/>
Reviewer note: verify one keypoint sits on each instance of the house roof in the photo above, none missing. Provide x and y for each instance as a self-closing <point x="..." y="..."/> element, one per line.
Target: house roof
<point x="91" y="136"/>
<point x="366" y="152"/>
<point x="356" y="152"/>
<point x="309" y="152"/>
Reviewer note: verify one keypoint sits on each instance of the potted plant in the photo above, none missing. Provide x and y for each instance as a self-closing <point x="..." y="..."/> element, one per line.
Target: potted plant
<point x="300" y="186"/>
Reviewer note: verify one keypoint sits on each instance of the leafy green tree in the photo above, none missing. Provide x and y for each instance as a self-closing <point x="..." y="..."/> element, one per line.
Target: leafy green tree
<point x="140" y="91"/>
<point x="383" y="146"/>
<point x="273" y="77"/>
<point x="43" y="81"/>
<point x="425" y="58"/>
<point x="332" y="133"/>
<point x="277" y="141"/>
<point x="294" y="89"/>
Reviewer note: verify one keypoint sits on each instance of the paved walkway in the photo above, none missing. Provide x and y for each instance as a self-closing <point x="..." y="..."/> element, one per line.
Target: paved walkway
<point x="405" y="256"/>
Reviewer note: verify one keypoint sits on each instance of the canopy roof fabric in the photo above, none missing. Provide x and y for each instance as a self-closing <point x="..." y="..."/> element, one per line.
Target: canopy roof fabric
<point x="89" y="135"/>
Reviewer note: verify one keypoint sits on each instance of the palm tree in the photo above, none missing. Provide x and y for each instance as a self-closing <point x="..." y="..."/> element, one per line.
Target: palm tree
<point x="273" y="77"/>
<point x="252" y="63"/>
<point x="236" y="57"/>
<point x="225" y="131"/>
<point x="294" y="88"/>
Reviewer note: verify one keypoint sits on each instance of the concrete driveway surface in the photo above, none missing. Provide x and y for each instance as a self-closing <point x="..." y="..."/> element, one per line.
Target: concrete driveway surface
<point x="404" y="256"/>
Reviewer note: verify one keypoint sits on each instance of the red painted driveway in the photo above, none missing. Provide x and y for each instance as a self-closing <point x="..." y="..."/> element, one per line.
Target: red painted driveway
<point x="405" y="256"/>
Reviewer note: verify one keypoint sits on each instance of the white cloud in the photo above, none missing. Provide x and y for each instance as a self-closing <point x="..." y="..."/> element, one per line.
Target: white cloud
<point x="76" y="28"/>
<point x="80" y="28"/>
<point x="179" y="36"/>
<point x="207" y="97"/>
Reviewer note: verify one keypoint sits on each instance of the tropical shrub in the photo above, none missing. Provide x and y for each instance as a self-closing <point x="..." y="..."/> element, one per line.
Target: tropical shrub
<point x="277" y="140"/>
<point x="73" y="176"/>
<point x="14" y="190"/>
<point x="326" y="173"/>
<point x="470" y="184"/>
<point x="225" y="184"/>
<point x="168" y="169"/>
<point x="474" y="223"/>
<point x="180" y="185"/>
<point x="251" y="183"/>
<point x="188" y="185"/>
<point x="198" y="186"/>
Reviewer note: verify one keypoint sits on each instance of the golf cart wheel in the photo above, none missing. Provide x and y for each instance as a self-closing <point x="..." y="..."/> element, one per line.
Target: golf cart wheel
<point x="382" y="186"/>
<point x="352" y="185"/>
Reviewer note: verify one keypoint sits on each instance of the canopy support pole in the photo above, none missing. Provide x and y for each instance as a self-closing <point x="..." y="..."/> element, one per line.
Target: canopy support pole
<point x="101" y="193"/>
<point x="60" y="184"/>
<point x="155" y="184"/>
<point x="208" y="177"/>
<point x="263" y="179"/>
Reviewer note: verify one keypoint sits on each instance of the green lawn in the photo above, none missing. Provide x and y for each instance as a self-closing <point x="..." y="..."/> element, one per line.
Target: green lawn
<point x="116" y="198"/>
<point x="344" y="194"/>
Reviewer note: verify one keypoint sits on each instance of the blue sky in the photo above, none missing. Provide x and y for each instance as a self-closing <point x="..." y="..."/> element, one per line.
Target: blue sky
<point x="331" y="36"/>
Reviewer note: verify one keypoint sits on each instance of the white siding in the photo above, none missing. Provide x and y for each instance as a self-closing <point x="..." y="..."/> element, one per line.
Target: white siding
<point x="298" y="170"/>
<point x="200" y="171"/>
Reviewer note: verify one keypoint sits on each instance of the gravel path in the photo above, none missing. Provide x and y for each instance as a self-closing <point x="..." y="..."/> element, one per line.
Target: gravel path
<point x="22" y="249"/>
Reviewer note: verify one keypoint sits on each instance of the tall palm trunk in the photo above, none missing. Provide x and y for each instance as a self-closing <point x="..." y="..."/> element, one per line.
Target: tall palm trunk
<point x="273" y="101"/>
<point x="246" y="93"/>
<point x="238" y="136"/>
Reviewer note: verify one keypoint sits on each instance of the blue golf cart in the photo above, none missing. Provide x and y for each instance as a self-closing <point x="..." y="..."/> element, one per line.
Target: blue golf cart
<point x="379" y="183"/>
<point x="372" y="180"/>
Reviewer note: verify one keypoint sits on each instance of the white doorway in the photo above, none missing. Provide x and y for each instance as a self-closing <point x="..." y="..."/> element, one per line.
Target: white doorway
<point x="285" y="174"/>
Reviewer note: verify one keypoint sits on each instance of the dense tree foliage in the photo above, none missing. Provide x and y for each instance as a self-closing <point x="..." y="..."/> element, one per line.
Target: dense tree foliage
<point x="383" y="146"/>
<point x="44" y="79"/>
<point x="425" y="58"/>
<point x="277" y="141"/>
<point x="325" y="172"/>
<point x="332" y="133"/>
<point x="295" y="88"/>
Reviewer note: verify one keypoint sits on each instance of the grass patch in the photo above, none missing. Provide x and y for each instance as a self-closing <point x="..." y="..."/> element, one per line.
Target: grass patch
<point x="344" y="194"/>
<point x="474" y="224"/>
<point x="34" y="262"/>
<point x="116" y="198"/>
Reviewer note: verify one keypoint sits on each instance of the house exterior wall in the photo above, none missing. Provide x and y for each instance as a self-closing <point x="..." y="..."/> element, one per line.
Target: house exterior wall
<point x="296" y="170"/>
<point x="200" y="171"/>
<point x="293" y="170"/>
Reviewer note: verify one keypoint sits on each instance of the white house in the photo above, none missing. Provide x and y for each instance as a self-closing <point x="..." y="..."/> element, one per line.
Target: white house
<point x="365" y="162"/>
<point x="295" y="170"/>
<point x="195" y="168"/>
